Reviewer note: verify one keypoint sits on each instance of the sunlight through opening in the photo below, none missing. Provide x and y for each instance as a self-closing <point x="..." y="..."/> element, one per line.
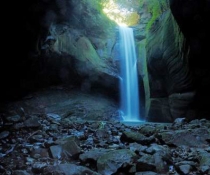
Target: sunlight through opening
<point x="121" y="15"/>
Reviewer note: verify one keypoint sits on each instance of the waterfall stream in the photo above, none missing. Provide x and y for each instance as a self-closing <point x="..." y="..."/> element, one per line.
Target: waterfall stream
<point x="129" y="76"/>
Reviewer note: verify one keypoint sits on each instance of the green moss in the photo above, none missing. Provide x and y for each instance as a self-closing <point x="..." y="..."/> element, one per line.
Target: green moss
<point x="94" y="20"/>
<point x="155" y="7"/>
<point x="86" y="52"/>
<point x="96" y="4"/>
<point x="144" y="73"/>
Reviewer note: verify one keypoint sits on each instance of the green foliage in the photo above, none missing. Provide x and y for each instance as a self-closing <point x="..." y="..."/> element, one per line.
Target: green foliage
<point x="122" y="12"/>
<point x="131" y="5"/>
<point x="154" y="7"/>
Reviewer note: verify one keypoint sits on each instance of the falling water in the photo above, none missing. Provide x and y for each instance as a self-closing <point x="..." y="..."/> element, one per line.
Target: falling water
<point x="129" y="80"/>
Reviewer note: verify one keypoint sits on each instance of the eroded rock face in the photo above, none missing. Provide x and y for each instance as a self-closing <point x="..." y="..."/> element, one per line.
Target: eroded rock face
<point x="73" y="42"/>
<point x="178" y="81"/>
<point x="89" y="43"/>
<point x="192" y="18"/>
<point x="170" y="79"/>
<point x="166" y="71"/>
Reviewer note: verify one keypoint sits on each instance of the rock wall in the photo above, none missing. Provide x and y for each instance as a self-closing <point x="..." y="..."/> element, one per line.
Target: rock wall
<point x="161" y="48"/>
<point x="193" y="17"/>
<point x="74" y="42"/>
<point x="169" y="74"/>
<point x="87" y="37"/>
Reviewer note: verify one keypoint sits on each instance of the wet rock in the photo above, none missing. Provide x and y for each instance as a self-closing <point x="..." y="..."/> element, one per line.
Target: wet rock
<point x="179" y="122"/>
<point x="135" y="147"/>
<point x="20" y="172"/>
<point x="49" y="142"/>
<point x="56" y="151"/>
<point x="106" y="147"/>
<point x="147" y="130"/>
<point x="130" y="136"/>
<point x="38" y="167"/>
<point x="93" y="154"/>
<point x="14" y="118"/>
<point x="183" y="137"/>
<point x="161" y="162"/>
<point x="146" y="163"/>
<point x="32" y="122"/>
<point x="204" y="158"/>
<point x="202" y="134"/>
<point x="68" y="169"/>
<point x="89" y="141"/>
<point x="185" y="169"/>
<point x="71" y="149"/>
<point x="30" y="160"/>
<point x="146" y="173"/>
<point x="53" y="127"/>
<point x="39" y="153"/>
<point x="109" y="163"/>
<point x="154" y="148"/>
<point x="102" y="134"/>
<point x="19" y="125"/>
<point x="2" y="169"/>
<point x="67" y="148"/>
<point x="4" y="134"/>
<point x="36" y="138"/>
<point x="53" y="116"/>
<point x="204" y="169"/>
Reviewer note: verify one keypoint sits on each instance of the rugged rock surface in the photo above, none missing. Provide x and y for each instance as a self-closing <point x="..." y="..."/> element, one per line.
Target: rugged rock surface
<point x="192" y="17"/>
<point x="38" y="141"/>
<point x="73" y="42"/>
<point x="169" y="75"/>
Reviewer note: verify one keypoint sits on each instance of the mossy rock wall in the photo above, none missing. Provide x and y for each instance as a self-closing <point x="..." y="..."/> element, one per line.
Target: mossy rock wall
<point x="90" y="37"/>
<point x="168" y="70"/>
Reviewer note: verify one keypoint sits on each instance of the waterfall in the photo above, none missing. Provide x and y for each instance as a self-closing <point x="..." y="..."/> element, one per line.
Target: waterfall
<point x="129" y="79"/>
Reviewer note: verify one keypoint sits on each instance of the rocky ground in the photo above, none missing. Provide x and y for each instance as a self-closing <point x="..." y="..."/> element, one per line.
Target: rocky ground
<point x="64" y="132"/>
